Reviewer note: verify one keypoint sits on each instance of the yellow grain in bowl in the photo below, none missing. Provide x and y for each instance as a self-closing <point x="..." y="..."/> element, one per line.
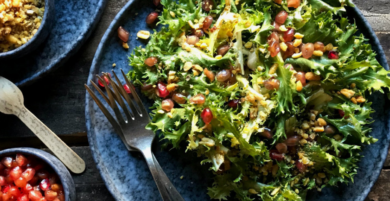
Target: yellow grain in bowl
<point x="19" y="21"/>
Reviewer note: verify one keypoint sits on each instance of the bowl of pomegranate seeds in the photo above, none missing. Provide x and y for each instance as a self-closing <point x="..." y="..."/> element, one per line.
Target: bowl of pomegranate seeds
<point x="28" y="174"/>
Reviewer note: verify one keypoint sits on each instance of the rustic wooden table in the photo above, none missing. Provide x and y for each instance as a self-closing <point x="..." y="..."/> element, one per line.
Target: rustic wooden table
<point x="58" y="100"/>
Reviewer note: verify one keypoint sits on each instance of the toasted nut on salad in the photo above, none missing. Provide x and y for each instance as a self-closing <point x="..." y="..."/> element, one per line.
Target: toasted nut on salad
<point x="360" y="99"/>
<point x="347" y="93"/>
<point x="297" y="55"/>
<point x="318" y="53"/>
<point x="187" y="66"/>
<point x="172" y="87"/>
<point x="299" y="86"/>
<point x="312" y="77"/>
<point x="207" y="141"/>
<point x="143" y="34"/>
<point x="298" y="35"/>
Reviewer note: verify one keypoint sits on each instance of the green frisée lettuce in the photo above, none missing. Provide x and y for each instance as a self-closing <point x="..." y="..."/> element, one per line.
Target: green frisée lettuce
<point x="272" y="118"/>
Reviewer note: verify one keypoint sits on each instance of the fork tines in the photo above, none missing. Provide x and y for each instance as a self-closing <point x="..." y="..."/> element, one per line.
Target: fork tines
<point x="117" y="94"/>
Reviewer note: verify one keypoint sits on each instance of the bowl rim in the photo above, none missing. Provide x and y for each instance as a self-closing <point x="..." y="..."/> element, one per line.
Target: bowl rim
<point x="47" y="158"/>
<point x="49" y="6"/>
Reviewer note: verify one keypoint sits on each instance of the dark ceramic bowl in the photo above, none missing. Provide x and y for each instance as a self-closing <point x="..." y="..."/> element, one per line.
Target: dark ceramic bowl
<point x="130" y="180"/>
<point x="53" y="162"/>
<point x="38" y="38"/>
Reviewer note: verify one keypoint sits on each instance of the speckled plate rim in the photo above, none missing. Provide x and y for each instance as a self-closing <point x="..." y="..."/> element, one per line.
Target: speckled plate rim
<point x="72" y="50"/>
<point x="365" y="28"/>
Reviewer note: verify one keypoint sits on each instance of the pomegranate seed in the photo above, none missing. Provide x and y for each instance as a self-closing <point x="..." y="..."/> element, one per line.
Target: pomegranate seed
<point x="61" y="196"/>
<point x="53" y="179"/>
<point x="272" y="84"/>
<point x="6" y="188"/>
<point x="146" y="87"/>
<point x="167" y="105"/>
<point x="35" y="195"/>
<point x="341" y="113"/>
<point x="151" y="19"/>
<point x="56" y="187"/>
<point x="207" y="22"/>
<point x="275" y="155"/>
<point x="23" y="197"/>
<point x="34" y="180"/>
<point x="267" y="133"/>
<point x="21" y="182"/>
<point x="207" y="5"/>
<point x="7" y="162"/>
<point x="14" y="163"/>
<point x="123" y="34"/>
<point x="162" y="90"/>
<point x="28" y="174"/>
<point x="15" y="173"/>
<point x="26" y="189"/>
<point x="157" y="3"/>
<point x="198" y="99"/>
<point x="21" y="160"/>
<point x="14" y="191"/>
<point x="2" y="181"/>
<point x="105" y="78"/>
<point x="127" y="89"/>
<point x="282" y="148"/>
<point x="6" y="196"/>
<point x="281" y="17"/>
<point x="36" y="188"/>
<point x="300" y="166"/>
<point x="151" y="61"/>
<point x="42" y="199"/>
<point x="1" y="167"/>
<point x="8" y="179"/>
<point x="57" y="199"/>
<point x="40" y="166"/>
<point x="292" y="141"/>
<point x="276" y="25"/>
<point x="289" y="35"/>
<point x="43" y="174"/>
<point x="333" y="55"/>
<point x="45" y="184"/>
<point x="179" y="98"/>
<point x="300" y="76"/>
<point x="233" y="103"/>
<point x="50" y="195"/>
<point x="207" y="116"/>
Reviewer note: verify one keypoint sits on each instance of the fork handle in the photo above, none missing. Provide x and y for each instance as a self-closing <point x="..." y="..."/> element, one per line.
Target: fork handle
<point x="161" y="185"/>
<point x="52" y="141"/>
<point x="174" y="194"/>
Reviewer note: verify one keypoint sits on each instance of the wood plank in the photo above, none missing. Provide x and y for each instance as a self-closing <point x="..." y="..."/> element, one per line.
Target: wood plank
<point x="380" y="191"/>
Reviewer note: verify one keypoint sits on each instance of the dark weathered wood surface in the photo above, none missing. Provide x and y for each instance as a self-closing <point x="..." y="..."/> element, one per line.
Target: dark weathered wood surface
<point x="58" y="100"/>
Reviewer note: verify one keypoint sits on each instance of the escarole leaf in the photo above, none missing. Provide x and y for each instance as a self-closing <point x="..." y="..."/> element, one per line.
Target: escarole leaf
<point x="286" y="89"/>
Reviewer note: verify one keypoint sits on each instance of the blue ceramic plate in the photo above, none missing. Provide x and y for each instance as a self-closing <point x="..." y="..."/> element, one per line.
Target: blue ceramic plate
<point x="73" y="23"/>
<point x="126" y="174"/>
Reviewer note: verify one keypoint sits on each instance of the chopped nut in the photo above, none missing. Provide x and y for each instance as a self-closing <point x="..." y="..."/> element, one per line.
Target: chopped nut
<point x="197" y="67"/>
<point x="321" y="122"/>
<point x="187" y="66"/>
<point x="297" y="42"/>
<point x="297" y="55"/>
<point x="203" y="45"/>
<point x="273" y="69"/>
<point x="207" y="141"/>
<point x="318" y="129"/>
<point x="172" y="13"/>
<point x="347" y="93"/>
<point x="218" y="57"/>
<point x="248" y="45"/>
<point x="172" y="87"/>
<point x="207" y="92"/>
<point x="305" y="136"/>
<point x="283" y="28"/>
<point x="260" y="81"/>
<point x="305" y="125"/>
<point x="303" y="142"/>
<point x="313" y="136"/>
<point x="125" y="45"/>
<point x="143" y="34"/>
<point x="298" y="35"/>
<point x="114" y="64"/>
<point x="312" y="77"/>
<point x="305" y="160"/>
<point x="299" y="86"/>
<point x="353" y="99"/>
<point x="283" y="46"/>
<point x="195" y="72"/>
<point x="360" y="99"/>
<point x="329" y="47"/>
<point x="321" y="175"/>
<point x="318" y="53"/>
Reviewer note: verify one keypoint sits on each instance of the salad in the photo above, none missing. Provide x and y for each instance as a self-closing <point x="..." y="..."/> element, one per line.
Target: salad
<point x="272" y="95"/>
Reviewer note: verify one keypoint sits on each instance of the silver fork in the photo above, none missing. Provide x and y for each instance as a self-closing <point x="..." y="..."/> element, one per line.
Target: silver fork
<point x="132" y="131"/>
